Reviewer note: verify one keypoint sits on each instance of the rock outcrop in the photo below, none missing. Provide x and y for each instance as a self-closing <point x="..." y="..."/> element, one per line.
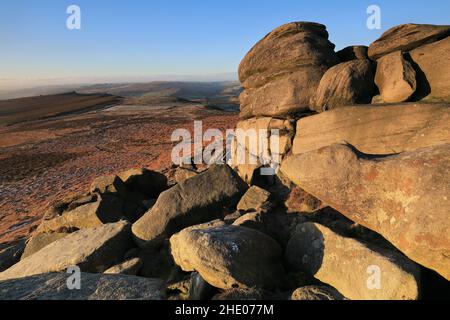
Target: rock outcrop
<point x="406" y="37"/>
<point x="395" y="195"/>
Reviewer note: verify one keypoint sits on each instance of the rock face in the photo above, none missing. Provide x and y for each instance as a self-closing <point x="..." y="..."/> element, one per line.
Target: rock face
<point x="53" y="286"/>
<point x="281" y="72"/>
<point x="395" y="78"/>
<point x="309" y="293"/>
<point x="376" y="129"/>
<point x="40" y="241"/>
<point x="107" y="208"/>
<point x="347" y="83"/>
<point x="229" y="256"/>
<point x="347" y="264"/>
<point x="404" y="197"/>
<point x="93" y="250"/>
<point x="431" y="60"/>
<point x="352" y="53"/>
<point x="196" y="200"/>
<point x="406" y="37"/>
<point x="254" y="199"/>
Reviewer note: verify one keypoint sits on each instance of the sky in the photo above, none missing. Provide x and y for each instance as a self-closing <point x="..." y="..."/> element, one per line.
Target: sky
<point x="135" y="39"/>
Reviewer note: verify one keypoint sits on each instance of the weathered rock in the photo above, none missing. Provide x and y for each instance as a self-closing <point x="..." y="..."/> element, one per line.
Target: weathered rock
<point x="395" y="78"/>
<point x="244" y="294"/>
<point x="301" y="201"/>
<point x="147" y="182"/>
<point x="287" y="48"/>
<point x="376" y="129"/>
<point x="182" y="174"/>
<point x="130" y="267"/>
<point x="229" y="256"/>
<point x="10" y="255"/>
<point x="352" y="53"/>
<point x="93" y="250"/>
<point x="196" y="200"/>
<point x="68" y="203"/>
<point x="316" y="293"/>
<point x="431" y="62"/>
<point x="283" y="96"/>
<point x="40" y="241"/>
<point x="349" y="266"/>
<point x="254" y="199"/>
<point x="253" y="220"/>
<point x="404" y="197"/>
<point x="108" y="184"/>
<point x="406" y="37"/>
<point x="106" y="209"/>
<point x="347" y="83"/>
<point x="53" y="286"/>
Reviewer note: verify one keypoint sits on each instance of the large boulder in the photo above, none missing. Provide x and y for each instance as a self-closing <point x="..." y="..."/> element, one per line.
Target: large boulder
<point x="229" y="256"/>
<point x="39" y="241"/>
<point x="105" y="208"/>
<point x="395" y="78"/>
<point x="108" y="184"/>
<point x="347" y="83"/>
<point x="404" y="197"/>
<point x="376" y="129"/>
<point x="406" y="37"/>
<point x="432" y="62"/>
<point x="283" y="96"/>
<point x="53" y="286"/>
<point x="195" y="200"/>
<point x="281" y="72"/>
<point x="347" y="265"/>
<point x="93" y="250"/>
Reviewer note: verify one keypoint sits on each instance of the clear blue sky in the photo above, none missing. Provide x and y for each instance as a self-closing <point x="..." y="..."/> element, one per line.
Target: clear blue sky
<point x="151" y="37"/>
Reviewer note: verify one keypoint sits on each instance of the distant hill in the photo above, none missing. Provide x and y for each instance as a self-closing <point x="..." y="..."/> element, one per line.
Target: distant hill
<point x="33" y="108"/>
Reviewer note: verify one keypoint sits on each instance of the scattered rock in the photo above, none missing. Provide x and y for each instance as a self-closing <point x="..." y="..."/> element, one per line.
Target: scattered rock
<point x="40" y="241"/>
<point x="229" y="256"/>
<point x="316" y="293"/>
<point x="433" y="83"/>
<point x="130" y="267"/>
<point x="353" y="53"/>
<point x="396" y="196"/>
<point x="147" y="182"/>
<point x="347" y="83"/>
<point x="53" y="286"/>
<point x="196" y="200"/>
<point x="254" y="199"/>
<point x="350" y="266"/>
<point x="106" y="209"/>
<point x="93" y="250"/>
<point x="376" y="129"/>
<point x="395" y="78"/>
<point x="406" y="37"/>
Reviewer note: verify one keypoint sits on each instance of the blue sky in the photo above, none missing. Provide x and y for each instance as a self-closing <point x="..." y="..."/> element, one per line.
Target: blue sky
<point x="183" y="37"/>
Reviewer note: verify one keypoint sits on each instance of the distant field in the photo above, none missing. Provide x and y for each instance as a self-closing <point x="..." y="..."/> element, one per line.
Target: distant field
<point x="34" y="108"/>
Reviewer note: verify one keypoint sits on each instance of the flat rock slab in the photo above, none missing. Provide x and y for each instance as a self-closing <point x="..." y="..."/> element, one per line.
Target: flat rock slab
<point x="383" y="129"/>
<point x="349" y="266"/>
<point x="229" y="256"/>
<point x="93" y="250"/>
<point x="404" y="197"/>
<point x="195" y="200"/>
<point x="53" y="286"/>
